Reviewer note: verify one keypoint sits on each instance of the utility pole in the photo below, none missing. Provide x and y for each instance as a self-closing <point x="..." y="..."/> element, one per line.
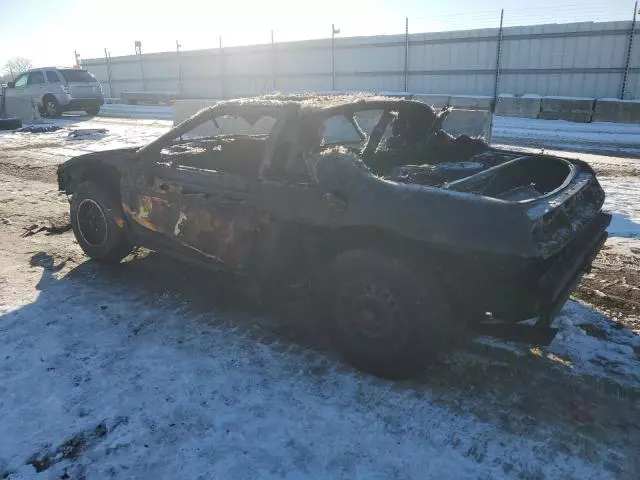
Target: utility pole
<point x="179" y="66"/>
<point x="222" y="68"/>
<point x="107" y="57"/>
<point x="627" y="63"/>
<point x="497" y="78"/>
<point x="406" y="54"/>
<point x="138" y="48"/>
<point x="77" y="57"/>
<point x="273" y="64"/>
<point x="334" y="32"/>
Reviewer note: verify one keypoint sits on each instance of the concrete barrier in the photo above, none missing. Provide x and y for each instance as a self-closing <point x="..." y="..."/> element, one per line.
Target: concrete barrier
<point x="438" y="102"/>
<point x="475" y="123"/>
<point x="525" y="107"/>
<point x="617" y="111"/>
<point x="133" y="98"/>
<point x="567" y="108"/>
<point x="24" y="108"/>
<point x="471" y="102"/>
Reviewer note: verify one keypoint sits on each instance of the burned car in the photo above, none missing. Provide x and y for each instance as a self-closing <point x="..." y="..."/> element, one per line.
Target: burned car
<point x="406" y="235"/>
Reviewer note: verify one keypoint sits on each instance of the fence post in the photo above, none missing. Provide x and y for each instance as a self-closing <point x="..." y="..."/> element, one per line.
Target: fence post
<point x="334" y="31"/>
<point x="273" y="64"/>
<point x="627" y="62"/>
<point x="406" y="54"/>
<point x="108" y="59"/>
<point x="496" y="83"/>
<point x="179" y="67"/>
<point x="138" y="47"/>
<point x="222" y="82"/>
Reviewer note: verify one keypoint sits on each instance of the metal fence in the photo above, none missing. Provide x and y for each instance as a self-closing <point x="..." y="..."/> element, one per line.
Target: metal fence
<point x="583" y="59"/>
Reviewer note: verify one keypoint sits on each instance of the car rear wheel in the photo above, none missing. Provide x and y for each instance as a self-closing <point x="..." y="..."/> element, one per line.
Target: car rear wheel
<point x="93" y="110"/>
<point x="51" y="107"/>
<point x="384" y="318"/>
<point x="98" y="223"/>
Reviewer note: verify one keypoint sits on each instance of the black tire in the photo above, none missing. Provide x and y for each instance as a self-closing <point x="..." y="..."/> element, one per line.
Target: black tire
<point x="383" y="318"/>
<point x="10" y="123"/>
<point x="50" y="107"/>
<point x="98" y="223"/>
<point x="93" y="110"/>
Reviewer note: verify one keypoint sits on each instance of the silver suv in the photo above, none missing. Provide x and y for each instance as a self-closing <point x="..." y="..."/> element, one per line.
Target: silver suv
<point x="58" y="90"/>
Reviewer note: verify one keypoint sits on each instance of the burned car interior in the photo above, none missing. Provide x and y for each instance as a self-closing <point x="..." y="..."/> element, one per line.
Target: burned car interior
<point x="396" y="140"/>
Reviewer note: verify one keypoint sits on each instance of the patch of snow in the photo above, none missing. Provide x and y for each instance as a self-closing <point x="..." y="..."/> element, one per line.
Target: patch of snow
<point x="599" y="137"/>
<point x="182" y="398"/>
<point x="595" y="356"/>
<point x="612" y="357"/>
<point x="616" y="100"/>
<point x="623" y="201"/>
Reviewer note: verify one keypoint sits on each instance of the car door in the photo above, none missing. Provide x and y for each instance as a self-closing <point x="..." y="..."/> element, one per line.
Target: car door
<point x="36" y="86"/>
<point x="195" y="194"/>
<point x="19" y="86"/>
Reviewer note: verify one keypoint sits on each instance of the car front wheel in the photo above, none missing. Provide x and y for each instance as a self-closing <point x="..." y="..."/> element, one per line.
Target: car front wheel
<point x="98" y="223"/>
<point x="93" y="111"/>
<point x="383" y="318"/>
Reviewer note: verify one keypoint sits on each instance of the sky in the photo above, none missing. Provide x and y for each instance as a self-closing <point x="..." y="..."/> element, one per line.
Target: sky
<point x="48" y="32"/>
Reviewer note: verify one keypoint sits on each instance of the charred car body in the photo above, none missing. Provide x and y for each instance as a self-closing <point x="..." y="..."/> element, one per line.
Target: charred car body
<point x="403" y="232"/>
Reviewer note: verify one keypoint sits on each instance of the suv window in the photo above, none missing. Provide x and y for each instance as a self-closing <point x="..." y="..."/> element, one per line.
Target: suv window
<point x="73" y="75"/>
<point x="21" y="81"/>
<point x="52" y="77"/>
<point x="35" y="78"/>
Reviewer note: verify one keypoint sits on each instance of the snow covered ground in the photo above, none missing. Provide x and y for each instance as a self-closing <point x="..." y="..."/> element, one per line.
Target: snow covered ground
<point x="152" y="371"/>
<point x="614" y="139"/>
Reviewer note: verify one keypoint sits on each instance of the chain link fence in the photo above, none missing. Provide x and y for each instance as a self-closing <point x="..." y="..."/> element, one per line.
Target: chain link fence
<point x="554" y="51"/>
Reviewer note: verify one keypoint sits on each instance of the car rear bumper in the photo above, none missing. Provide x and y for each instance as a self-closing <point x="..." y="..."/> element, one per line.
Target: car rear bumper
<point x="83" y="103"/>
<point x="545" y="288"/>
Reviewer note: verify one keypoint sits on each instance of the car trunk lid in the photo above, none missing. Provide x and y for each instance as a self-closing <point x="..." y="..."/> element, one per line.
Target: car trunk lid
<point x="82" y="84"/>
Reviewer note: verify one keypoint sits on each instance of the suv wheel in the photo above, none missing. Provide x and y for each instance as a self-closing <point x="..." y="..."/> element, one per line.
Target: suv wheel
<point x="51" y="107"/>
<point x="383" y="318"/>
<point x="93" y="110"/>
<point x="97" y="222"/>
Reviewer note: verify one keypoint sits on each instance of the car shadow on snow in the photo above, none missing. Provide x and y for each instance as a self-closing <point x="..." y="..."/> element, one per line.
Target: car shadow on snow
<point x="515" y="387"/>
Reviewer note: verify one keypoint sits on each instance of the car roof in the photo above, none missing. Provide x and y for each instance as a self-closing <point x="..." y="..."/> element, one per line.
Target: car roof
<point x="313" y="104"/>
<point x="38" y="69"/>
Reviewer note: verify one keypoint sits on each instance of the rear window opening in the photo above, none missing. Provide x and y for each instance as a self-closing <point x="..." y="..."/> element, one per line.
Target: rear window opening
<point x="72" y="75"/>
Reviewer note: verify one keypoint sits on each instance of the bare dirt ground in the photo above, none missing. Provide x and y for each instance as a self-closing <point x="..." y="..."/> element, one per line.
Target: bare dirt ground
<point x="490" y="410"/>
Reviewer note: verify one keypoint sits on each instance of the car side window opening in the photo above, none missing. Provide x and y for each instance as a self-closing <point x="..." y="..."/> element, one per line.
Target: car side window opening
<point x="338" y="130"/>
<point x="35" y="78"/>
<point x="52" y="77"/>
<point x="227" y="143"/>
<point x="21" y="81"/>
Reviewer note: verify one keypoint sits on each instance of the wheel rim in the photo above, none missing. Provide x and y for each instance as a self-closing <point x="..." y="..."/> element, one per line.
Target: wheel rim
<point x="92" y="223"/>
<point x="51" y="108"/>
<point x="369" y="315"/>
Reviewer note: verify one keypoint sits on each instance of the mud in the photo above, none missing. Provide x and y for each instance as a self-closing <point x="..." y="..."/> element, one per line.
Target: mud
<point x="613" y="287"/>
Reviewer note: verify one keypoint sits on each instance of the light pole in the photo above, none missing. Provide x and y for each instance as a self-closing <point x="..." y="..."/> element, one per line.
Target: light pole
<point x="334" y="32"/>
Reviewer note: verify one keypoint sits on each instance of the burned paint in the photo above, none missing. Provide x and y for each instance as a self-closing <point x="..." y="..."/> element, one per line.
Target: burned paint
<point x="490" y="219"/>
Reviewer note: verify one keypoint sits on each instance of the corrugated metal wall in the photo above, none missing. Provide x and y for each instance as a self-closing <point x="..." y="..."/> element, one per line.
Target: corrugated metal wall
<point x="578" y="59"/>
